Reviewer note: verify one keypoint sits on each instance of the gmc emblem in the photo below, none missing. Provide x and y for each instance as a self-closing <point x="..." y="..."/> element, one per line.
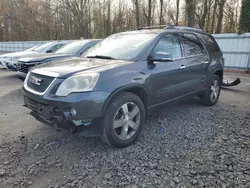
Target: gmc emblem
<point x="36" y="81"/>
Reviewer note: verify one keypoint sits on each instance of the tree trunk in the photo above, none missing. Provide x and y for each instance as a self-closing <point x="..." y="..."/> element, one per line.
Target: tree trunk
<point x="213" y="17"/>
<point x="177" y="12"/>
<point x="161" y="10"/>
<point x="208" y="15"/>
<point x="137" y="12"/>
<point x="153" y="13"/>
<point x="149" y="12"/>
<point x="6" y="28"/>
<point x="108" y="23"/>
<point x="89" y="24"/>
<point x="237" y="16"/>
<point x="203" y="18"/>
<point x="220" y="15"/>
<point x="190" y="9"/>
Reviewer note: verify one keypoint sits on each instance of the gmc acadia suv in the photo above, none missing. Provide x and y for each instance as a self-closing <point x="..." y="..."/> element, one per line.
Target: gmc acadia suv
<point x="123" y="78"/>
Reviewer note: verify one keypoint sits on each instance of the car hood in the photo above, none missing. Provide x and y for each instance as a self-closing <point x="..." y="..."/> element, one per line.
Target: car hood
<point x="72" y="66"/>
<point x="4" y="55"/>
<point x="42" y="57"/>
<point x="19" y="54"/>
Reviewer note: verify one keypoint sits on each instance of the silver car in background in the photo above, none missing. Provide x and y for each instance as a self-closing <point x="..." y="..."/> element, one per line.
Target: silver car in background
<point x="10" y="60"/>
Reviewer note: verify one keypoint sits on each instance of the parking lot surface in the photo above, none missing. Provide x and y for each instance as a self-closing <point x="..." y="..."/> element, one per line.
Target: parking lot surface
<point x="185" y="145"/>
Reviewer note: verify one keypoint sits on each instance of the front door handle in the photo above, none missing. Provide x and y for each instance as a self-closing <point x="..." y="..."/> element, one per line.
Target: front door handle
<point x="183" y="67"/>
<point x="206" y="62"/>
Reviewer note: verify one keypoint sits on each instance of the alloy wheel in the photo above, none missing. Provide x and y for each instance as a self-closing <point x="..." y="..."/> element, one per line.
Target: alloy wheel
<point x="215" y="88"/>
<point x="127" y="121"/>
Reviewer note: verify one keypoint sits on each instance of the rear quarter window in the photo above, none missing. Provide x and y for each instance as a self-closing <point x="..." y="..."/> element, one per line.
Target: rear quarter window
<point x="209" y="42"/>
<point x="192" y="45"/>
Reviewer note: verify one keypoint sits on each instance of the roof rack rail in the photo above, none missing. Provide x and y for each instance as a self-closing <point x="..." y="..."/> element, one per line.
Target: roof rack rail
<point x="152" y="27"/>
<point x="172" y="27"/>
<point x="184" y="28"/>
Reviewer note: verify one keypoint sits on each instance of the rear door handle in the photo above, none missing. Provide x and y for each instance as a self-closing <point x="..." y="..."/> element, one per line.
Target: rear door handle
<point x="206" y="62"/>
<point x="183" y="67"/>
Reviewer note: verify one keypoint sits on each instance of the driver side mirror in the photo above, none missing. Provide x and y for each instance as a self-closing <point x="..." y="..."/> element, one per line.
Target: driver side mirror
<point x="49" y="51"/>
<point x="159" y="56"/>
<point x="162" y="56"/>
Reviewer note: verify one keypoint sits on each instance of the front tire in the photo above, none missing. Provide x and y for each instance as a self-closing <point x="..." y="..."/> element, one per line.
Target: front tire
<point x="212" y="93"/>
<point x="123" y="120"/>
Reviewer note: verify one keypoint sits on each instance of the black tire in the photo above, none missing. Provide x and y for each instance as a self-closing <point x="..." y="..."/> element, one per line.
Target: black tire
<point x="206" y="98"/>
<point x="109" y="135"/>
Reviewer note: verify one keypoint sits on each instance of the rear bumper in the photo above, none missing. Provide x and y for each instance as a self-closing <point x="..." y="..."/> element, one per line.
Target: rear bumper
<point x="88" y="106"/>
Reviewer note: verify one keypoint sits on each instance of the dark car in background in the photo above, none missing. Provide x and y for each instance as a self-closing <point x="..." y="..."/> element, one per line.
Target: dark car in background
<point x="72" y="49"/>
<point x="10" y="60"/>
<point x="124" y="78"/>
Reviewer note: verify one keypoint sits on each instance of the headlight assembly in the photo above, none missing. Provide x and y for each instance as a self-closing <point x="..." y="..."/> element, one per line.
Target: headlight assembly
<point x="77" y="83"/>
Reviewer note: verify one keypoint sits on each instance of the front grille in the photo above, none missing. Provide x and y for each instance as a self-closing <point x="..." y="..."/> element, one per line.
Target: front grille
<point x="39" y="83"/>
<point x="21" y="67"/>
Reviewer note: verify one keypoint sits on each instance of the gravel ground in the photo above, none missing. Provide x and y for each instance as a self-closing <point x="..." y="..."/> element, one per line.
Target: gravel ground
<point x="186" y="145"/>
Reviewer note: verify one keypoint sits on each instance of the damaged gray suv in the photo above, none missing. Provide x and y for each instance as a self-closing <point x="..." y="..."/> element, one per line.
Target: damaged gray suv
<point x="124" y="78"/>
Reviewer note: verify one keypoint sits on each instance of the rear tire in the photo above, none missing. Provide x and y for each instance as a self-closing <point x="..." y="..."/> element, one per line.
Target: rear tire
<point x="212" y="93"/>
<point x="123" y="120"/>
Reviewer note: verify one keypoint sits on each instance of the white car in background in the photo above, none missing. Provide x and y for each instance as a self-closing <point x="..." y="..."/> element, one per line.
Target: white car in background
<point x="10" y="60"/>
<point x="4" y="56"/>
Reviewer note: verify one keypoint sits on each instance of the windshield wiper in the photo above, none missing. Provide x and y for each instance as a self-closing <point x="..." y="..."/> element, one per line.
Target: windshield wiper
<point x="100" y="57"/>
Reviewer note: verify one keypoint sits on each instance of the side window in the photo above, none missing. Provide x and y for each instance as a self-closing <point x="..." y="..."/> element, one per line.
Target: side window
<point x="170" y="44"/>
<point x="210" y="43"/>
<point x="192" y="45"/>
<point x="56" y="47"/>
<point x="85" y="49"/>
<point x="90" y="45"/>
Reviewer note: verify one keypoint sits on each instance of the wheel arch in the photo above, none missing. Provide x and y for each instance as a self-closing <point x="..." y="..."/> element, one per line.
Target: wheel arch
<point x="219" y="73"/>
<point x="138" y="90"/>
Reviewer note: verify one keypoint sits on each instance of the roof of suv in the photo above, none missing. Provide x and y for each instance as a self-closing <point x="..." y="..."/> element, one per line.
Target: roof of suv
<point x="155" y="30"/>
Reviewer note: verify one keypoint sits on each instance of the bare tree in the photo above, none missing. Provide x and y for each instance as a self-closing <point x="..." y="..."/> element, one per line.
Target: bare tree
<point x="221" y="4"/>
<point x="213" y="16"/>
<point x="149" y="12"/>
<point x="72" y="19"/>
<point x="203" y="17"/>
<point x="137" y="14"/>
<point x="210" y="3"/>
<point x="108" y="21"/>
<point x="190" y="10"/>
<point x="177" y="12"/>
<point x="161" y="11"/>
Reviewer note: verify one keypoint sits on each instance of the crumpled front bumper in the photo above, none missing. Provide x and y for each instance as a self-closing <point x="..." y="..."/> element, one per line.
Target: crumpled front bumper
<point x="46" y="114"/>
<point x="50" y="109"/>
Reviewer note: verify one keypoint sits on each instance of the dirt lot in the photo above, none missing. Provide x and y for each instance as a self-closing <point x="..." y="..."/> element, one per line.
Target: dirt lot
<point x="186" y="145"/>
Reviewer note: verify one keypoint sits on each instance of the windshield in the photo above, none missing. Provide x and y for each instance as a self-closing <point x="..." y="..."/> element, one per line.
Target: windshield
<point x="72" y="48"/>
<point x="31" y="49"/>
<point x="124" y="46"/>
<point x="42" y="47"/>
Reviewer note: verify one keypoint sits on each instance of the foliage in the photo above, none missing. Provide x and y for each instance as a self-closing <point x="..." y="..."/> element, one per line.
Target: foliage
<point x="245" y="16"/>
<point x="73" y="19"/>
